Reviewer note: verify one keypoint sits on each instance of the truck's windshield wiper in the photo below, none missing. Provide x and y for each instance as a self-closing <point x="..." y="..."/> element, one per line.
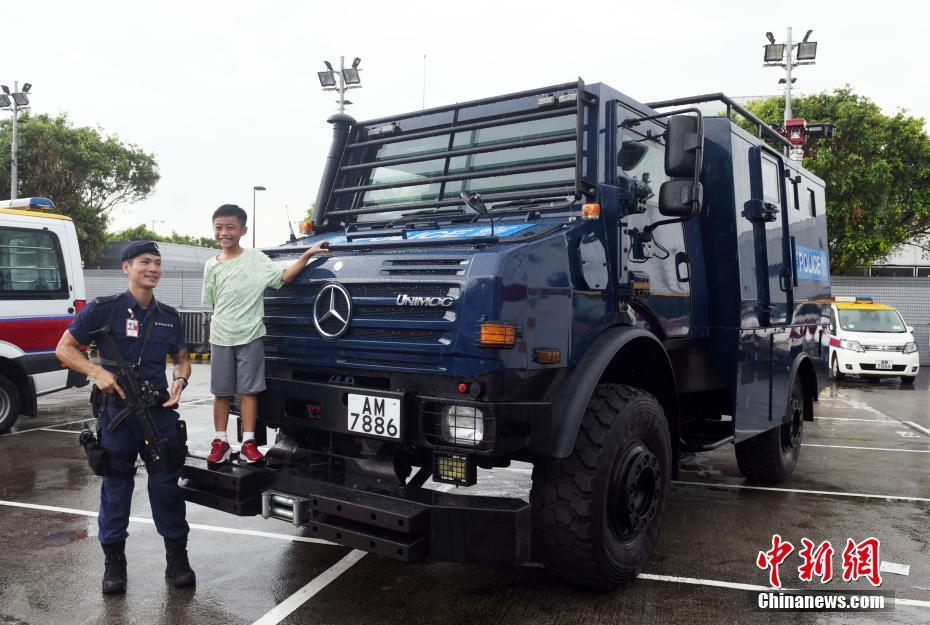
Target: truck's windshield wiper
<point x="451" y="210"/>
<point x="527" y="202"/>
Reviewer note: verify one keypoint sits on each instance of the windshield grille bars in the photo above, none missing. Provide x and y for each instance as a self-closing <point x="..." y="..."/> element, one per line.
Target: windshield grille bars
<point x="469" y="175"/>
<point x="493" y="147"/>
<point x="553" y="192"/>
<point x="498" y="120"/>
<point x="762" y="128"/>
<point x="471" y="103"/>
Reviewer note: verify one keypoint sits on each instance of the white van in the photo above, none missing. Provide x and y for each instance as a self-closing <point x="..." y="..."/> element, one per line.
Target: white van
<point x="41" y="289"/>
<point x="870" y="340"/>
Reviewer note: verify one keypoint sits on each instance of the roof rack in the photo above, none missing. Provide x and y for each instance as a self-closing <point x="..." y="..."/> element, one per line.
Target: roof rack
<point x="763" y="130"/>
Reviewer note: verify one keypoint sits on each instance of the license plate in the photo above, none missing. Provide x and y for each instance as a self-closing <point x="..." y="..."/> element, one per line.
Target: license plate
<point x="884" y="365"/>
<point x="374" y="416"/>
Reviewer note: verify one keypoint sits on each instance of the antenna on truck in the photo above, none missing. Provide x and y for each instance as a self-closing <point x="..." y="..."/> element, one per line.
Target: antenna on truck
<point x="290" y="225"/>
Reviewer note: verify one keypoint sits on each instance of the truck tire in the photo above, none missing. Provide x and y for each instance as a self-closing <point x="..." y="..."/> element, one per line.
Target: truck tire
<point x="838" y="376"/>
<point x="597" y="513"/>
<point x="770" y="457"/>
<point x="10" y="404"/>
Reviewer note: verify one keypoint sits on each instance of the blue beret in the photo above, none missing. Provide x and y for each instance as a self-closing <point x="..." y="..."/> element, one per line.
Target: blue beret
<point x="135" y="248"/>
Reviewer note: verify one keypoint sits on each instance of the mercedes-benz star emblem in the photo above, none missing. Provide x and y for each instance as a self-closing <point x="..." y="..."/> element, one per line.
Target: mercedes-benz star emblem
<point x="332" y="311"/>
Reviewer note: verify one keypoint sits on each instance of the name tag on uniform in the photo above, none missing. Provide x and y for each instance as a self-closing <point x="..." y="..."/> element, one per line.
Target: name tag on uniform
<point x="132" y="328"/>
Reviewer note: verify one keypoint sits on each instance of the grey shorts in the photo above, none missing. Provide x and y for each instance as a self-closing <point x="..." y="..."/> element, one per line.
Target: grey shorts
<point x="237" y="370"/>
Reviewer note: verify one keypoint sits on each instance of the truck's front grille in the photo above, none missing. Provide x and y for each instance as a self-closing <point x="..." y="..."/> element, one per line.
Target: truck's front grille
<point x="388" y="312"/>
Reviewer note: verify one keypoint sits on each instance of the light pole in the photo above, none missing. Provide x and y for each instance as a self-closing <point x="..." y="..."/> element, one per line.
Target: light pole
<point x="19" y="101"/>
<point x="255" y="190"/>
<point x="784" y="55"/>
<point x="346" y="78"/>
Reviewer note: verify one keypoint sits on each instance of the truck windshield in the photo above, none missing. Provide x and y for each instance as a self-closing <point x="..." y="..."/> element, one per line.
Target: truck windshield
<point x="871" y="321"/>
<point x="519" y="151"/>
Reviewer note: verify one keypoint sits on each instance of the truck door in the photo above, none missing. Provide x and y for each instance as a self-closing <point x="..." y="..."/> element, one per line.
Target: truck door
<point x="776" y="298"/>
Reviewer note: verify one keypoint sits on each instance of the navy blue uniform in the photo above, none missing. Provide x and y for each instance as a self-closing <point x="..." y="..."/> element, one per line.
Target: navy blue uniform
<point x="167" y="337"/>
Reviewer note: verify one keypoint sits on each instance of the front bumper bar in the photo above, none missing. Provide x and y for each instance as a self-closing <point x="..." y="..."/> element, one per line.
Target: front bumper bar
<point x="405" y="523"/>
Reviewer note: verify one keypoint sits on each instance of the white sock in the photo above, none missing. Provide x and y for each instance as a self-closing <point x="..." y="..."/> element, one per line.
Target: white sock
<point x="222" y="436"/>
<point x="248" y="436"/>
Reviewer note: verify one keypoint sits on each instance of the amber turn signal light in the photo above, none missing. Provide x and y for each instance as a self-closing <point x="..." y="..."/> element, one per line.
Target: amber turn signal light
<point x="497" y="334"/>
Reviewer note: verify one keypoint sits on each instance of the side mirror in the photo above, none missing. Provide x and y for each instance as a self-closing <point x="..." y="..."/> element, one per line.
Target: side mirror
<point x="684" y="146"/>
<point x="910" y="329"/>
<point x="680" y="198"/>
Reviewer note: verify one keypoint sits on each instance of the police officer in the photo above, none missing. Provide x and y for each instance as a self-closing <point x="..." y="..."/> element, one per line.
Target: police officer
<point x="128" y="315"/>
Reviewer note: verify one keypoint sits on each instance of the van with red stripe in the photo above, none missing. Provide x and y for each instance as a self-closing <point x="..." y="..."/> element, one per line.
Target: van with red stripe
<point x="41" y="289"/>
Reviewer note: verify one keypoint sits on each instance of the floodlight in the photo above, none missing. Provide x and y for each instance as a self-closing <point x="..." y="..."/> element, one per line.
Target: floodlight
<point x="356" y="62"/>
<point x="807" y="35"/>
<point x="351" y="76"/>
<point x="6" y="89"/>
<point x="4" y="101"/>
<point x="770" y="37"/>
<point x="328" y="65"/>
<point x="774" y="53"/>
<point x="807" y="50"/>
<point x="20" y="99"/>
<point x="327" y="79"/>
<point x="27" y="87"/>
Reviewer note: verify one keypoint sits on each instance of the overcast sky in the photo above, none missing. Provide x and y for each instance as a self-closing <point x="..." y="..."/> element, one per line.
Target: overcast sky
<point x="225" y="94"/>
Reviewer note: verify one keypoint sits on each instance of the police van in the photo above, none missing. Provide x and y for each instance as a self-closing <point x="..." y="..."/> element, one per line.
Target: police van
<point x="41" y="289"/>
<point x="870" y="340"/>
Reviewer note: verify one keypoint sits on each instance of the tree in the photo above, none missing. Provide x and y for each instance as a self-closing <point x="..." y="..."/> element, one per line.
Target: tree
<point x="85" y="173"/>
<point x="142" y="233"/>
<point x="877" y="171"/>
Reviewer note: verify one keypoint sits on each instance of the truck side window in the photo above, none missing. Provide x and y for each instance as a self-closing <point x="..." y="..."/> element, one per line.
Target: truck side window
<point x="770" y="182"/>
<point x="642" y="158"/>
<point x="30" y="263"/>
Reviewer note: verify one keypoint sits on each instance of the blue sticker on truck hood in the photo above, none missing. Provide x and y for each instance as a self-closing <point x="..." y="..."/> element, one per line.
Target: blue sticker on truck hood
<point x="812" y="264"/>
<point x="466" y="232"/>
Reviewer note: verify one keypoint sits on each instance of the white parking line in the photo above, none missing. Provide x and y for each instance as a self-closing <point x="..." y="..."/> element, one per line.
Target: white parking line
<point x="198" y="526"/>
<point x="44" y="426"/>
<point x="754" y="587"/>
<point x="804" y="491"/>
<point x="912" y="451"/>
<point x="318" y="583"/>
<point x="851" y="419"/>
<point x="919" y="428"/>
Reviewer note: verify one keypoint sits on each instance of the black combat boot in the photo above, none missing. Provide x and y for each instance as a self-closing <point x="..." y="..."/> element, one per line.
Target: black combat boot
<point x="178" y="573"/>
<point x="114" y="577"/>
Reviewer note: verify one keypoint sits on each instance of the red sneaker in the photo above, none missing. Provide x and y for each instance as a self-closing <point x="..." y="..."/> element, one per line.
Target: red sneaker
<point x="249" y="452"/>
<point x="219" y="452"/>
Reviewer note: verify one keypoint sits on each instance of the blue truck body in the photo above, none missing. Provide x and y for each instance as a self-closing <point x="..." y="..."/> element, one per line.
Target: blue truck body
<point x="716" y="318"/>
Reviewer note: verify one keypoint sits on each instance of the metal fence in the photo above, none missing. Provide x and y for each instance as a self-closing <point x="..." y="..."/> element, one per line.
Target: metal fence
<point x="911" y="296"/>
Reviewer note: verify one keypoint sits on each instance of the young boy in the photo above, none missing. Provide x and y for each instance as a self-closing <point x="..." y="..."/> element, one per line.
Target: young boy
<point x="233" y="284"/>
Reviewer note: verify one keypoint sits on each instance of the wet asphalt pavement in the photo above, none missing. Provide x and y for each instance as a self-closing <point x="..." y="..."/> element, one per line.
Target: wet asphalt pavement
<point x="252" y="570"/>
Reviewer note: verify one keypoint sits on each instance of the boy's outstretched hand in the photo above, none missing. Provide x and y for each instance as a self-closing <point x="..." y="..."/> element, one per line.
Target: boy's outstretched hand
<point x="319" y="248"/>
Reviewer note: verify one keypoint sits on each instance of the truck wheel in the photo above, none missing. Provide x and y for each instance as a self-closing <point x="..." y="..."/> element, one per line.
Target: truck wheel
<point x="10" y="403"/>
<point x="770" y="457"/>
<point x="597" y="513"/>
<point x="838" y="376"/>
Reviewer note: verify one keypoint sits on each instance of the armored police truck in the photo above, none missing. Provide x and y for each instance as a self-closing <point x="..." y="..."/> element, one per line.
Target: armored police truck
<point x="562" y="276"/>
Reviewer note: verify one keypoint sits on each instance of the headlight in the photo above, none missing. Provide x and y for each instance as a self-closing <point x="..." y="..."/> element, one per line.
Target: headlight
<point x="910" y="348"/>
<point x="853" y="345"/>
<point x="462" y="425"/>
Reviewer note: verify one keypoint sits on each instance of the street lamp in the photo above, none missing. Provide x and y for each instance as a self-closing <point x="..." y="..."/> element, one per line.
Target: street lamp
<point x="19" y="101"/>
<point x="255" y="190"/>
<point x="342" y="80"/>
<point x="784" y="55"/>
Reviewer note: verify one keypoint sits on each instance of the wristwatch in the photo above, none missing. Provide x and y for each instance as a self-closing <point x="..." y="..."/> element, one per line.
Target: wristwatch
<point x="181" y="377"/>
